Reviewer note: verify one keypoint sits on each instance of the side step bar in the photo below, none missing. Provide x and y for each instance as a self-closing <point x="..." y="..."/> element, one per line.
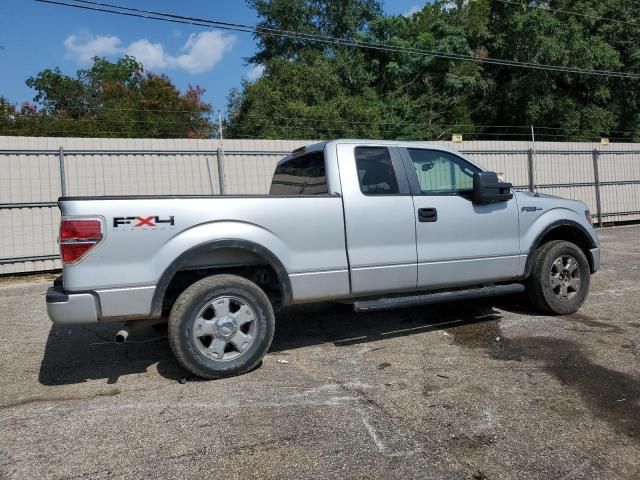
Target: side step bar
<point x="438" y="297"/>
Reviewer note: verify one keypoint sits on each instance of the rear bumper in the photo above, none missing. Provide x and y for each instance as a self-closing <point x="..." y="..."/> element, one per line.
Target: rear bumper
<point x="104" y="305"/>
<point x="595" y="259"/>
<point x="70" y="308"/>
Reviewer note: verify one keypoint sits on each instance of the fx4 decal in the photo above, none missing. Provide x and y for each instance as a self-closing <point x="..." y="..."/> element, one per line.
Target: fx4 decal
<point x="139" y="222"/>
<point x="530" y="209"/>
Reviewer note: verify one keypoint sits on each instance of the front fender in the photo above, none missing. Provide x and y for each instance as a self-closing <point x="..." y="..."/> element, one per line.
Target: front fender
<point x="532" y="233"/>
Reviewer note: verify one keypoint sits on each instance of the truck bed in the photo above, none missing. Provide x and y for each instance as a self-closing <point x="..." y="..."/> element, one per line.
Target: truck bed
<point x="144" y="234"/>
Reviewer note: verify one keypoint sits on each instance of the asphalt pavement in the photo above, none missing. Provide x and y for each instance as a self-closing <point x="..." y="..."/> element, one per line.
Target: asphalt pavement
<point x="475" y="390"/>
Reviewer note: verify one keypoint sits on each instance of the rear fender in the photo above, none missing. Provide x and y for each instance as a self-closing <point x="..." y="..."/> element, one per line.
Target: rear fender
<point x="211" y="237"/>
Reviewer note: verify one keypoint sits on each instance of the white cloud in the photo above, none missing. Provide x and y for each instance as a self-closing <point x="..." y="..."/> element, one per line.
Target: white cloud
<point x="84" y="46"/>
<point x="200" y="53"/>
<point x="254" y="73"/>
<point x="151" y="55"/>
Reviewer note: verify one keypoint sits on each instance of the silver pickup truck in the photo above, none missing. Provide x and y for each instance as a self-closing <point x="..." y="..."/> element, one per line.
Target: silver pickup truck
<point x="374" y="223"/>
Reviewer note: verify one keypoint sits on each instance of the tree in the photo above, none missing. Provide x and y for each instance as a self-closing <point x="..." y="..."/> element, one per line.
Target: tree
<point x="110" y="99"/>
<point x="333" y="18"/>
<point x="305" y="99"/>
<point x="334" y="91"/>
<point x="322" y="92"/>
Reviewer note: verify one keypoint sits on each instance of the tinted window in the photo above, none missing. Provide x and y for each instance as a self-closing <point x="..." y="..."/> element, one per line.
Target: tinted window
<point x="375" y="171"/>
<point x="304" y="175"/>
<point x="442" y="173"/>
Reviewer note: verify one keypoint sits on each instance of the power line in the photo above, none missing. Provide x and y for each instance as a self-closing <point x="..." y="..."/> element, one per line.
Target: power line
<point x="277" y="122"/>
<point x="390" y="128"/>
<point x="118" y="120"/>
<point x="568" y="12"/>
<point x="159" y="16"/>
<point x="252" y="117"/>
<point x="420" y="124"/>
<point x="181" y="135"/>
<point x="146" y="110"/>
<point x="252" y="120"/>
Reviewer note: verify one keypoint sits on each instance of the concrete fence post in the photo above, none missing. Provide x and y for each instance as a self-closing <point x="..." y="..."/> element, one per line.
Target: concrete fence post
<point x="596" y="179"/>
<point x="530" y="170"/>
<point x="207" y="161"/>
<point x="220" y="158"/>
<point x="63" y="180"/>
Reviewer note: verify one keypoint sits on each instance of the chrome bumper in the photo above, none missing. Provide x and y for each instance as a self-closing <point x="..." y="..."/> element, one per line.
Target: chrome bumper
<point x="104" y="305"/>
<point x="68" y="308"/>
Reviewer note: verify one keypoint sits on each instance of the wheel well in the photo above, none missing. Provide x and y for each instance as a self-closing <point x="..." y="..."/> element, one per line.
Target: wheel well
<point x="236" y="257"/>
<point x="571" y="234"/>
<point x="262" y="275"/>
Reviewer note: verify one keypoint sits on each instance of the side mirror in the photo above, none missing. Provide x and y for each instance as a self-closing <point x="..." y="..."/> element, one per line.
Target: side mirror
<point x="427" y="166"/>
<point x="488" y="189"/>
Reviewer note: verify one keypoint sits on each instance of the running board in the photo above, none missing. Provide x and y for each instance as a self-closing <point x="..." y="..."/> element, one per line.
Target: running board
<point x="438" y="297"/>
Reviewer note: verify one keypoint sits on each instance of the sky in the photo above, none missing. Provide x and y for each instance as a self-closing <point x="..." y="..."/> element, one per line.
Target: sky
<point x="35" y="36"/>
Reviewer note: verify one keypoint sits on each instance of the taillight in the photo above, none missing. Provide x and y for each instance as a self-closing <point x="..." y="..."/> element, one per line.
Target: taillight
<point x="80" y="229"/>
<point x="77" y="237"/>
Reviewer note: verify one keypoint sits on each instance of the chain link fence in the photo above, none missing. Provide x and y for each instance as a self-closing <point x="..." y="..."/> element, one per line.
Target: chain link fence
<point x="34" y="172"/>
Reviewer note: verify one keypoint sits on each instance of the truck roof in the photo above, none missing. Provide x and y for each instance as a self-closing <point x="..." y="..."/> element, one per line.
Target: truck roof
<point x="314" y="147"/>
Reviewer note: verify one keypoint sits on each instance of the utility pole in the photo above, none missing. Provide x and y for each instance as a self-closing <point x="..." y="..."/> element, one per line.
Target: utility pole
<point x="220" y="155"/>
<point x="220" y="127"/>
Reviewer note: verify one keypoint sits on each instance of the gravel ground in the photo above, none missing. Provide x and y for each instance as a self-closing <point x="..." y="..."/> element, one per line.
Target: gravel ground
<point x="480" y="390"/>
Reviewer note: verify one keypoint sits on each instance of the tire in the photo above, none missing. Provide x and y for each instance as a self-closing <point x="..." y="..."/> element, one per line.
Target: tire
<point x="221" y="326"/>
<point x="559" y="279"/>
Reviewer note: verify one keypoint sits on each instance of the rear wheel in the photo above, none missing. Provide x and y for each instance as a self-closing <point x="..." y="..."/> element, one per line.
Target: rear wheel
<point x="559" y="279"/>
<point x="221" y="325"/>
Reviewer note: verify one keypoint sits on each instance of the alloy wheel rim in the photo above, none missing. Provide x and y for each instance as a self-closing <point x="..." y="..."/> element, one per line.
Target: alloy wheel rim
<point x="564" y="277"/>
<point x="224" y="328"/>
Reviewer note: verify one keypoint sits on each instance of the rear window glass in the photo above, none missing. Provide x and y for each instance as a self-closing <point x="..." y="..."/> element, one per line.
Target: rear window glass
<point x="304" y="175"/>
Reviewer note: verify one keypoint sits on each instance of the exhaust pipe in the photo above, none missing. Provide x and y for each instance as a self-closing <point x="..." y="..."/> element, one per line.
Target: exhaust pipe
<point x="122" y="336"/>
<point x="130" y="328"/>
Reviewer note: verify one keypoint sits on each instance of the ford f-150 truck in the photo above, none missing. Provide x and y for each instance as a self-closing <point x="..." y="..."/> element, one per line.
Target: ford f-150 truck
<point x="375" y="223"/>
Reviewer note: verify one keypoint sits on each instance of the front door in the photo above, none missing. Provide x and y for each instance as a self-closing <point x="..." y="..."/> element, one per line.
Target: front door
<point x="379" y="220"/>
<point x="458" y="242"/>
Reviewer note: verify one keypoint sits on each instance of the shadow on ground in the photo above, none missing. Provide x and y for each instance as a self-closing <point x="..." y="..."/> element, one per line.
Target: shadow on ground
<point x="79" y="353"/>
<point x="610" y="395"/>
<point x="75" y="354"/>
<point x="306" y="325"/>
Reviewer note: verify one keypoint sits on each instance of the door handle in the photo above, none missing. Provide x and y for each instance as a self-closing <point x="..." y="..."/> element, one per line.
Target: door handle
<point x="428" y="214"/>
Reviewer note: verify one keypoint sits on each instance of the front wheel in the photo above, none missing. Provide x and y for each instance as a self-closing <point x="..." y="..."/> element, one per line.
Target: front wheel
<point x="220" y="326"/>
<point x="559" y="280"/>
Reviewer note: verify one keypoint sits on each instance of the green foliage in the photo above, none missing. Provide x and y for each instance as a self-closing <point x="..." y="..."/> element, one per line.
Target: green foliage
<point x="109" y="100"/>
<point x="342" y="19"/>
<point x="312" y="90"/>
<point x="321" y="90"/>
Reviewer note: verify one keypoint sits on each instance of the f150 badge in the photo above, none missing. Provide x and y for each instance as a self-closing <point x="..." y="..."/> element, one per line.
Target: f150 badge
<point x="143" y="222"/>
<point x="530" y="209"/>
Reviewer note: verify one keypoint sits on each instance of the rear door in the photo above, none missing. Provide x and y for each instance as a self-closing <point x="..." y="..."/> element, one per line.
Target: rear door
<point x="458" y="242"/>
<point x="379" y="219"/>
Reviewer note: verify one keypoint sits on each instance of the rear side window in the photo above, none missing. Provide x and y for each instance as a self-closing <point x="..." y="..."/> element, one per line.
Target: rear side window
<point x="375" y="171"/>
<point x="304" y="175"/>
